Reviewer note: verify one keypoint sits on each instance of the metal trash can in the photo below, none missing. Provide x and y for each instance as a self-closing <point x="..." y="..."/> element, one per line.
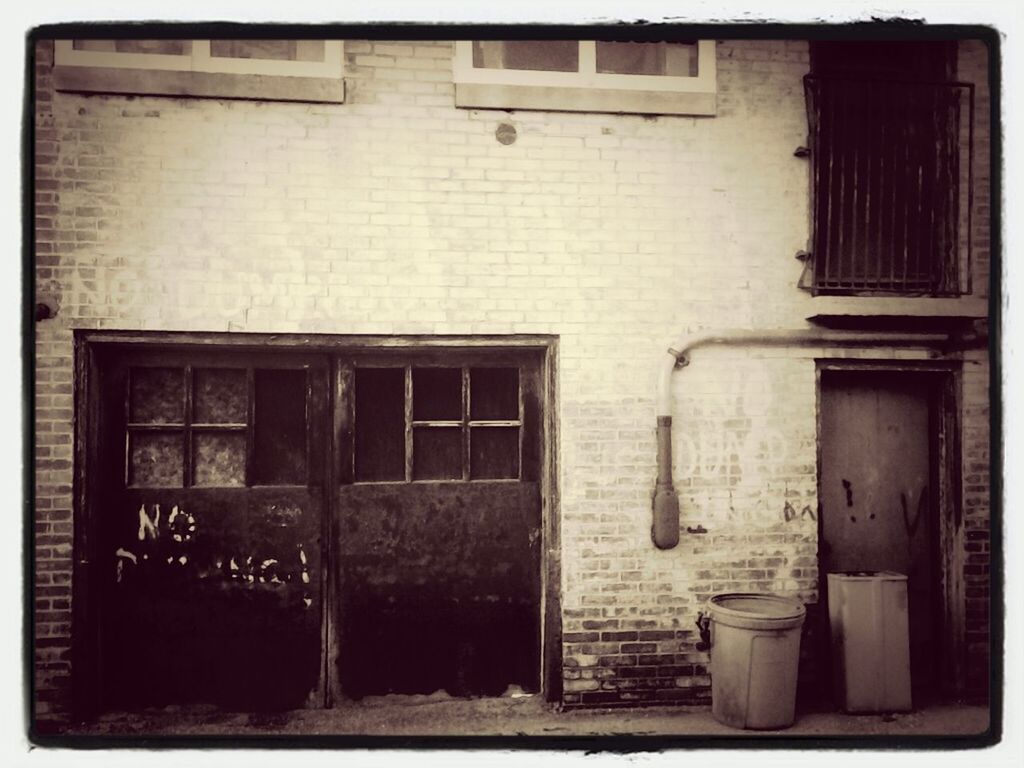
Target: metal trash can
<point x="755" y="652"/>
<point x="867" y="613"/>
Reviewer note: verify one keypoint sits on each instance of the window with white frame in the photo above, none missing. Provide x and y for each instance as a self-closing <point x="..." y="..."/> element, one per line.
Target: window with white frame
<point x="665" y="78"/>
<point x="282" y="70"/>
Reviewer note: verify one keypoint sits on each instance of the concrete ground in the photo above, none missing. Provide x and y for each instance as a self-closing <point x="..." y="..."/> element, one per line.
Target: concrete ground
<point x="439" y="715"/>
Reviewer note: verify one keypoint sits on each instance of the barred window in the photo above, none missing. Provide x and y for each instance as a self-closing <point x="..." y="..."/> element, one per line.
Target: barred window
<point x="890" y="169"/>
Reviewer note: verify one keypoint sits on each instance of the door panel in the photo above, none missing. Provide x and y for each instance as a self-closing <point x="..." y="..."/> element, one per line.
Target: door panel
<point x="877" y="481"/>
<point x="441" y="587"/>
<point x="209" y="585"/>
<point x="438" y="536"/>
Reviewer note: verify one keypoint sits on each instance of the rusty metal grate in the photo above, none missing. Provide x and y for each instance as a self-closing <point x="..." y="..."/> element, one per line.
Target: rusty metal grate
<point x="891" y="185"/>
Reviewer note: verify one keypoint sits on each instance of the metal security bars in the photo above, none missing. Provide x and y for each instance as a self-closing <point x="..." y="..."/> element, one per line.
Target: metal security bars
<point x="891" y="171"/>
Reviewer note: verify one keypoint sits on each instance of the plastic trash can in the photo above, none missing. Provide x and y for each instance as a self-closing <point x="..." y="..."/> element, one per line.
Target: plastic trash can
<point x="867" y="613"/>
<point x="755" y="652"/>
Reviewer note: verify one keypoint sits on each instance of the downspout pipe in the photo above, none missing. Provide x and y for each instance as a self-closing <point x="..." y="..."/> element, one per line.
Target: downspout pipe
<point x="665" y="527"/>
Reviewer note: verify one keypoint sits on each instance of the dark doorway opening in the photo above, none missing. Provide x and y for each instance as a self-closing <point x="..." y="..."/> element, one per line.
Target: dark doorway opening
<point x="884" y="487"/>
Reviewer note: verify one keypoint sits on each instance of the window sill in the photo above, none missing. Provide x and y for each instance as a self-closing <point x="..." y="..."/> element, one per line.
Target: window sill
<point x="907" y="306"/>
<point x="568" y="99"/>
<point x="144" y="82"/>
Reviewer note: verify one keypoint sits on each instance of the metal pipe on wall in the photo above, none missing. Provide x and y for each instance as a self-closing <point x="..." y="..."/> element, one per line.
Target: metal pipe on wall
<point x="665" y="525"/>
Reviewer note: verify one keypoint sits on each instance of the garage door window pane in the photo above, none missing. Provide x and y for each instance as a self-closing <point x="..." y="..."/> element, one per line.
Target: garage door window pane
<point x="219" y="459"/>
<point x="494" y="453"/>
<point x="155" y="459"/>
<point x="437" y="453"/>
<point x="157" y="396"/>
<point x="279" y="437"/>
<point x="380" y="424"/>
<point x="437" y="394"/>
<point x="494" y="394"/>
<point x="220" y="396"/>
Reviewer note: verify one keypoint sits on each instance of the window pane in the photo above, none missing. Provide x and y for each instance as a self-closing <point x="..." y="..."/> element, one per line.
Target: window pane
<point x="157" y="396"/>
<point x="437" y="453"/>
<point x="165" y="47"/>
<point x="437" y="394"/>
<point x="544" y="55"/>
<point x="494" y="452"/>
<point x="155" y="459"/>
<point x="647" y="58"/>
<point x="279" y="436"/>
<point x="220" y="396"/>
<point x="279" y="50"/>
<point x="218" y="458"/>
<point x="380" y="424"/>
<point x="494" y="393"/>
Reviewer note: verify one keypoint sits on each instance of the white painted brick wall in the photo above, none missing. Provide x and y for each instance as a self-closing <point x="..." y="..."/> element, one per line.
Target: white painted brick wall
<point x="397" y="213"/>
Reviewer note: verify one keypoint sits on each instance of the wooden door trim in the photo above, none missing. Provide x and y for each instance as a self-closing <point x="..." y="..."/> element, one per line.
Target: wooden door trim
<point x="86" y="674"/>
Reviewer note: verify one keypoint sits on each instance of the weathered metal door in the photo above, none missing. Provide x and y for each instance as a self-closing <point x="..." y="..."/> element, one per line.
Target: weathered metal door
<point x="439" y="522"/>
<point x="878" y="490"/>
<point x="208" y="519"/>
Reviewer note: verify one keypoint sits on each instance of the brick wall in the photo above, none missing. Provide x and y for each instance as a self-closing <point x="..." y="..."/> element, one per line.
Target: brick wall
<point x="53" y="527"/>
<point x="396" y="213"/>
<point x="973" y="64"/>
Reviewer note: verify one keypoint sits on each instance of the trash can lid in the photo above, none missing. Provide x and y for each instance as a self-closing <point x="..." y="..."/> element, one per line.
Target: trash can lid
<point x="746" y="606"/>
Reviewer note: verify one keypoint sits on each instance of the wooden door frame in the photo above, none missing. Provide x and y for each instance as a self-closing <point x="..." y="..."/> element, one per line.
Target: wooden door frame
<point x="947" y="466"/>
<point x="90" y="345"/>
<point x="437" y="348"/>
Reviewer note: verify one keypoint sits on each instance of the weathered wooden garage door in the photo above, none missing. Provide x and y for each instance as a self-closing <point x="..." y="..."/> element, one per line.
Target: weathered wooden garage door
<point x="208" y="514"/>
<point x="438" y="537"/>
<point x="878" y="492"/>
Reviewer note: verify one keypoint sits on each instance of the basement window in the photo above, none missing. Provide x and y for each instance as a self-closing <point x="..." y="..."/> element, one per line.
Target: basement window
<point x="215" y="427"/>
<point x="280" y="70"/>
<point x="438" y="423"/>
<point x="666" y="78"/>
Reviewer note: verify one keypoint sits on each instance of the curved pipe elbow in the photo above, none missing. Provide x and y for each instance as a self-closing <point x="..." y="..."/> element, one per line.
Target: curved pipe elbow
<point x="665" y="526"/>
